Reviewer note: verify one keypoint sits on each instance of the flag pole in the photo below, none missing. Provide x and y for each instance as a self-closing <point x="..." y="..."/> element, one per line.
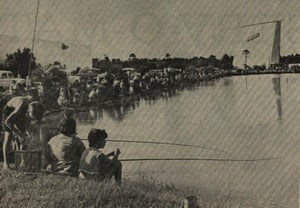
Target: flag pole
<point x="33" y="39"/>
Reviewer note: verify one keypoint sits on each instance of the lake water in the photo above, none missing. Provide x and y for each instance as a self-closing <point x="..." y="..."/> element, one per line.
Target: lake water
<point x="247" y="117"/>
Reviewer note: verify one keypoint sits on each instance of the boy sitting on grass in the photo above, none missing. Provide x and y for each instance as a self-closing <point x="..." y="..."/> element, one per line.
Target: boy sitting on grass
<point x="64" y="150"/>
<point x="94" y="164"/>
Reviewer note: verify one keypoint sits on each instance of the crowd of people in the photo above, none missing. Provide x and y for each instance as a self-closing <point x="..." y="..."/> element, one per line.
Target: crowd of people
<point x="105" y="87"/>
<point x="95" y="90"/>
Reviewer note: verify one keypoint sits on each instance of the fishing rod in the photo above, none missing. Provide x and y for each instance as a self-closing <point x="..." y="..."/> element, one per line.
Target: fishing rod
<point x="198" y="159"/>
<point x="163" y="143"/>
<point x="166" y="143"/>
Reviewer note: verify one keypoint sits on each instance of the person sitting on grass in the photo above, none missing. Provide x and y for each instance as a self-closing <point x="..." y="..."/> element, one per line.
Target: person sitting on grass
<point x="16" y="116"/>
<point x="94" y="164"/>
<point x="64" y="150"/>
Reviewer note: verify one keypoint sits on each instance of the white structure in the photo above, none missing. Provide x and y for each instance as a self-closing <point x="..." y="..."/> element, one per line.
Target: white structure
<point x="275" y="53"/>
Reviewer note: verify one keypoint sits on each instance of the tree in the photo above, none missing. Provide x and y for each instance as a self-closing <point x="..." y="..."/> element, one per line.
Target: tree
<point x="167" y="56"/>
<point x="226" y="62"/>
<point x="132" y="56"/>
<point x="106" y="59"/>
<point x="202" y="61"/>
<point x="246" y="53"/>
<point x="18" y="62"/>
<point x="38" y="73"/>
<point x="212" y="60"/>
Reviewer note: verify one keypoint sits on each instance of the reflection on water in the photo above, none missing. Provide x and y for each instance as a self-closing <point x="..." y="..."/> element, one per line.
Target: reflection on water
<point x="159" y="95"/>
<point x="277" y="90"/>
<point x="120" y="109"/>
<point x="227" y="82"/>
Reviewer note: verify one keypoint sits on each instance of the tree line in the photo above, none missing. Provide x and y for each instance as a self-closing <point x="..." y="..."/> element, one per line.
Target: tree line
<point x="18" y="62"/>
<point x="290" y="59"/>
<point x="144" y="65"/>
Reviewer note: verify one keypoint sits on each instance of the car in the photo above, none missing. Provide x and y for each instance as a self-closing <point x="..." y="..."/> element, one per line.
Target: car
<point x="6" y="78"/>
<point x="90" y="74"/>
<point x="73" y="78"/>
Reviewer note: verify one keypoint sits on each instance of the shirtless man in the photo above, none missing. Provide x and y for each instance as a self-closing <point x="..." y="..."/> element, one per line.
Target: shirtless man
<point x="17" y="113"/>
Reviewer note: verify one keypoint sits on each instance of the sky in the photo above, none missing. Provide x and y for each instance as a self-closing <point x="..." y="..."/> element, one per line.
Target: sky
<point x="148" y="28"/>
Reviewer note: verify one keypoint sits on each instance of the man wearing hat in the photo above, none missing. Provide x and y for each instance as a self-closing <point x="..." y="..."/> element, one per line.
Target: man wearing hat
<point x="94" y="164"/>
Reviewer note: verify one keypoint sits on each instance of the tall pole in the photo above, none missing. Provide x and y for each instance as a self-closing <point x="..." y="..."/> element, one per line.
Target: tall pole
<point x="245" y="53"/>
<point x="33" y="38"/>
<point x="275" y="56"/>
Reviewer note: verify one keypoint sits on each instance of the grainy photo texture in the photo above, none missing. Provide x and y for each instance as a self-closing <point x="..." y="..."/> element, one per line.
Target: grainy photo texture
<point x="149" y="103"/>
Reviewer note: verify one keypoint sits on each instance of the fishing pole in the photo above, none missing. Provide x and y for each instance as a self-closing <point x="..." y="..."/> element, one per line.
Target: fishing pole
<point x="164" y="143"/>
<point x="199" y="159"/>
<point x="167" y="143"/>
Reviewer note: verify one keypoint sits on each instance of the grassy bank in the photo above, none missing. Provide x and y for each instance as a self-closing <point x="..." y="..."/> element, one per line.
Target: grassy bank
<point x="45" y="190"/>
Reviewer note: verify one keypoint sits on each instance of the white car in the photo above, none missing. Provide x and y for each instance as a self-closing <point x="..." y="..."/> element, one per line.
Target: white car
<point x="6" y="78"/>
<point x="73" y="79"/>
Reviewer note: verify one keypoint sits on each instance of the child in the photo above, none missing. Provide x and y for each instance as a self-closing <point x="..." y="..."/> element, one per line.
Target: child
<point x="13" y="87"/>
<point x="94" y="164"/>
<point x="62" y="97"/>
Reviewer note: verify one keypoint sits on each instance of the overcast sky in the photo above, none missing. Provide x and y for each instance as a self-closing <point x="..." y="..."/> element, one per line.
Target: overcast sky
<point x="148" y="28"/>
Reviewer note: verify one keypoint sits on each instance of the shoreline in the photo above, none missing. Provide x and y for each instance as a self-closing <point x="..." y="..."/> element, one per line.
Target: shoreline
<point x="111" y="101"/>
<point x="144" y="192"/>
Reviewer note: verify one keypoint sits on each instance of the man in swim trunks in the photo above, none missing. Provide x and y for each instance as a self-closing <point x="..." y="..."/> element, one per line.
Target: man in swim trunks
<point x="16" y="116"/>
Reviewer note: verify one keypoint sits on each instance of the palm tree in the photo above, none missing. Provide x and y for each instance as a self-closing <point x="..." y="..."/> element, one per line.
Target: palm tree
<point x="246" y="53"/>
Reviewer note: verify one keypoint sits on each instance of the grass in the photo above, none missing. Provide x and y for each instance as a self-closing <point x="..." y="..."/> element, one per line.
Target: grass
<point x="44" y="190"/>
<point x="47" y="190"/>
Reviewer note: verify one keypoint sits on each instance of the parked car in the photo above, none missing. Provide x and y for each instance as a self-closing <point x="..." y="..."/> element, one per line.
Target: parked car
<point x="90" y="74"/>
<point x="73" y="78"/>
<point x="6" y="78"/>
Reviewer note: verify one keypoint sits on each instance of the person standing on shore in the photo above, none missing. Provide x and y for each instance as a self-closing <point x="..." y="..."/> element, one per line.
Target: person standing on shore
<point x="13" y="87"/>
<point x="16" y="116"/>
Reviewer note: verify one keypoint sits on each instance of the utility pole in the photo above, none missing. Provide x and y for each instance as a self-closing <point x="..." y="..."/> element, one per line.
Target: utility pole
<point x="33" y="39"/>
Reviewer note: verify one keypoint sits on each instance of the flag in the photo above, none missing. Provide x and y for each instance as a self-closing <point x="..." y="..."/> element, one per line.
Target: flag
<point x="64" y="46"/>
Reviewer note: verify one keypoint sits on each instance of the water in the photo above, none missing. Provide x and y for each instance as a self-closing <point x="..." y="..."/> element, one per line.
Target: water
<point x="248" y="117"/>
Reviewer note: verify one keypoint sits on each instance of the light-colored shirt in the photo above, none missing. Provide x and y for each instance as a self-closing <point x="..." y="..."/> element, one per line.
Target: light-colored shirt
<point x="90" y="161"/>
<point x="65" y="153"/>
<point x="94" y="164"/>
